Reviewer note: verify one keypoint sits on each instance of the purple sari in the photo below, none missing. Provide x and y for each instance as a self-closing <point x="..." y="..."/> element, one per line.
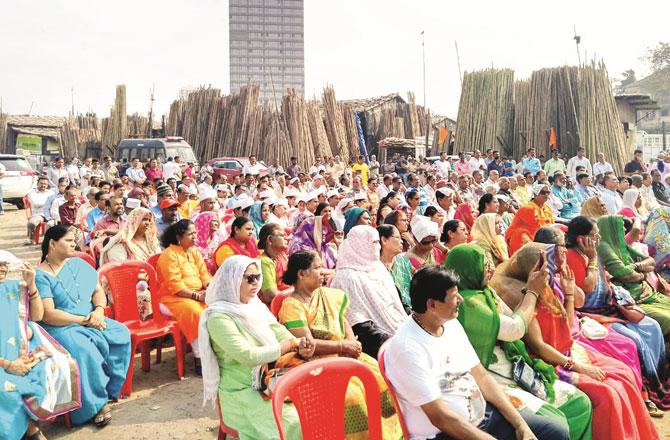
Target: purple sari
<point x="310" y="234"/>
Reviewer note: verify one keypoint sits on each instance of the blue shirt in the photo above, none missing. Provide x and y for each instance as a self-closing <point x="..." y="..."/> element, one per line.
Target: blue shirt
<point x="93" y="217"/>
<point x="532" y="164"/>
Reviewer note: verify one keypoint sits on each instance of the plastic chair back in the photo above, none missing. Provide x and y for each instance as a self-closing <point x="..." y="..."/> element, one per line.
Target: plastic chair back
<point x="122" y="280"/>
<point x="153" y="260"/>
<point x="277" y="301"/>
<point x="382" y="369"/>
<point x="317" y="389"/>
<point x="86" y="257"/>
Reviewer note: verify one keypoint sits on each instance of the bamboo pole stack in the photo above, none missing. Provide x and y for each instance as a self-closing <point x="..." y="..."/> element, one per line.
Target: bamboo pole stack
<point x="79" y="132"/>
<point x="115" y="128"/>
<point x="3" y="132"/>
<point x="576" y="102"/>
<point x="486" y="111"/>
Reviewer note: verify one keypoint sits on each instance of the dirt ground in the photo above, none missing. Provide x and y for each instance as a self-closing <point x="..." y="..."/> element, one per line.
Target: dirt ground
<point x="161" y="406"/>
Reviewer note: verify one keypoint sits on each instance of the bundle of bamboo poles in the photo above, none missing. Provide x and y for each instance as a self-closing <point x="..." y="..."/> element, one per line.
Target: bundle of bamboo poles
<point x="115" y="128"/>
<point x="238" y="125"/>
<point x="138" y="126"/>
<point x="578" y="104"/>
<point x="78" y="132"/>
<point x="486" y="111"/>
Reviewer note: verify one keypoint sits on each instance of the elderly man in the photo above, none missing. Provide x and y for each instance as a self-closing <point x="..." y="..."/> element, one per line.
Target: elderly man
<point x="601" y="166"/>
<point x="585" y="188"/>
<point x="462" y="166"/>
<point x="609" y="194"/>
<point x="374" y="166"/>
<point x="571" y="200"/>
<point x="50" y="209"/>
<point x="505" y="190"/>
<point x="477" y="162"/>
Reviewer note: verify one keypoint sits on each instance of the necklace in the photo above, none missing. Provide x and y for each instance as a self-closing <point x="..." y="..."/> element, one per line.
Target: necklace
<point x="420" y="324"/>
<point x="59" y="281"/>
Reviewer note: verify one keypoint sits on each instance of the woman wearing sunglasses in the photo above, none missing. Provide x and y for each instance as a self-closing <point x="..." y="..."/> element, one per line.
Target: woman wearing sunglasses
<point x="424" y="251"/>
<point x="541" y="194"/>
<point x="239" y="335"/>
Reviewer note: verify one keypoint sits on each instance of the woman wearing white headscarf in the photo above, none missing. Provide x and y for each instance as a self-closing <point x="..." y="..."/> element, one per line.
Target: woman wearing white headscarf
<point x="375" y="311"/>
<point x="237" y="336"/>
<point x="632" y="202"/>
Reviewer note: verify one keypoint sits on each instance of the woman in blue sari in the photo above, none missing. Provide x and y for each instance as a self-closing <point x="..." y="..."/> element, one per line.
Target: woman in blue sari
<point x="74" y="305"/>
<point x="39" y="379"/>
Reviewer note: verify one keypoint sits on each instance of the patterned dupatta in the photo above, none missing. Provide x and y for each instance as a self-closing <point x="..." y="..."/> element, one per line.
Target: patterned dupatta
<point x="52" y="387"/>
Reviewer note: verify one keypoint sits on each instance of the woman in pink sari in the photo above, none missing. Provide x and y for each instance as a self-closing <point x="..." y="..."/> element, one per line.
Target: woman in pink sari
<point x="208" y="237"/>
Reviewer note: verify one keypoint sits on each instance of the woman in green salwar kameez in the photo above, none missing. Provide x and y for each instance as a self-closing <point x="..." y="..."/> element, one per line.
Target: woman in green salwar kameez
<point x="495" y="332"/>
<point x="629" y="270"/>
<point x="238" y="335"/>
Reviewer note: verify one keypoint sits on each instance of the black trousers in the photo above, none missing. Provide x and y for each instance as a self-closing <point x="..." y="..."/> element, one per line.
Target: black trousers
<point x="496" y="425"/>
<point x="370" y="337"/>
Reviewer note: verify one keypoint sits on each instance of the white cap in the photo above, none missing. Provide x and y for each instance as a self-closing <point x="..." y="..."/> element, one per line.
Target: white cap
<point x="312" y="195"/>
<point x="295" y="179"/>
<point x="133" y="203"/>
<point x="242" y="202"/>
<point x="291" y="192"/>
<point x="332" y="193"/>
<point x="280" y="202"/>
<point x="267" y="194"/>
<point x="320" y="190"/>
<point x="446" y="191"/>
<point x="221" y="187"/>
<point x="360" y="196"/>
<point x="207" y="194"/>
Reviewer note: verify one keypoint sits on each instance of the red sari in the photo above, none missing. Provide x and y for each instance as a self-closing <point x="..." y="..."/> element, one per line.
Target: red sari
<point x="524" y="224"/>
<point x="619" y="413"/>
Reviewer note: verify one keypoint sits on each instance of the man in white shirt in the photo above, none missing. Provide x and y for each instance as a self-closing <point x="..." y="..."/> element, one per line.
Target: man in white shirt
<point x="254" y="167"/>
<point x="610" y="196"/>
<point x="601" y="166"/>
<point x="37" y="198"/>
<point x="136" y="173"/>
<point x="383" y="188"/>
<point x="445" y="202"/>
<point x="442" y="165"/>
<point x="442" y="387"/>
<point x="477" y="162"/>
<point x="171" y="169"/>
<point x="579" y="159"/>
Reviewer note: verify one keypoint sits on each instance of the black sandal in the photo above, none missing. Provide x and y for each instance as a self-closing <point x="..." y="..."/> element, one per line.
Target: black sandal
<point x="102" y="418"/>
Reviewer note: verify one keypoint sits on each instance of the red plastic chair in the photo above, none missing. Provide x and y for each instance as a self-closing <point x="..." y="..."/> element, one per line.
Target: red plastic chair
<point x="317" y="389"/>
<point x="39" y="229"/>
<point x="382" y="369"/>
<point x="122" y="280"/>
<point x="277" y="301"/>
<point x="86" y="257"/>
<point x="224" y="430"/>
<point x="153" y="260"/>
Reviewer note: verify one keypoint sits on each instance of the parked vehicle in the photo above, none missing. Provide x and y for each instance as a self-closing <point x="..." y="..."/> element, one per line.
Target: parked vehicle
<point x="143" y="149"/>
<point x="232" y="166"/>
<point x="19" y="179"/>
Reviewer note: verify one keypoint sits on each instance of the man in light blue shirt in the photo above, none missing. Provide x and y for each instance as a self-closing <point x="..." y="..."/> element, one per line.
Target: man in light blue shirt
<point x="531" y="163"/>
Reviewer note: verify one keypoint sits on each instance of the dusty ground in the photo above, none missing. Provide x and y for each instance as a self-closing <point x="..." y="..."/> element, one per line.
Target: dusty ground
<point x="161" y="406"/>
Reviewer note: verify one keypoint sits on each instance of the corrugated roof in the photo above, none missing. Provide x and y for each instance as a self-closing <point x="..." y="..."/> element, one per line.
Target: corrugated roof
<point x="366" y="104"/>
<point x="36" y="121"/>
<point x="38" y="131"/>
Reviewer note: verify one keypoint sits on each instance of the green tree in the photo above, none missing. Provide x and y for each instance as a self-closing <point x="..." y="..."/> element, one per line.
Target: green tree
<point x="658" y="57"/>
<point x="628" y="78"/>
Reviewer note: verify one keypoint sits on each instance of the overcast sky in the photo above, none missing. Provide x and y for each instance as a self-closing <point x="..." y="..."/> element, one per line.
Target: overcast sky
<point x="363" y="47"/>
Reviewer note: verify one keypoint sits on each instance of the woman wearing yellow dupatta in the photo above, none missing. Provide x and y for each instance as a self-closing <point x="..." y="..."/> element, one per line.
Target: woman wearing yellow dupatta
<point x="487" y="234"/>
<point x="318" y="312"/>
<point x="495" y="330"/>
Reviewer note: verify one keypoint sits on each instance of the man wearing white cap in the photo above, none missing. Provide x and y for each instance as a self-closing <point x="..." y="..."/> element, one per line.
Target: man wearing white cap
<point x="241" y="206"/>
<point x="445" y="202"/>
<point x="311" y="201"/>
<point x="333" y="198"/>
<point x="278" y="214"/>
<point x="207" y="201"/>
<point x="291" y="195"/>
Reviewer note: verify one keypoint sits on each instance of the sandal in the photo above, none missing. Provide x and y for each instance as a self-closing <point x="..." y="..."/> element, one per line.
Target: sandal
<point x="36" y="436"/>
<point x="653" y="410"/>
<point x="103" y="417"/>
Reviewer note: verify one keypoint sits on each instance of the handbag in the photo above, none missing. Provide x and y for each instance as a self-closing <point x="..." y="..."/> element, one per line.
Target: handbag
<point x="625" y="303"/>
<point x="528" y="379"/>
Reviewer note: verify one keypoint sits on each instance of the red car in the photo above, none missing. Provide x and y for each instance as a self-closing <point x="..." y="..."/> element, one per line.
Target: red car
<point x="232" y="166"/>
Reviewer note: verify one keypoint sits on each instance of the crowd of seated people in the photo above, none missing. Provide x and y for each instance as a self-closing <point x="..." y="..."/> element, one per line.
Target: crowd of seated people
<point x="506" y="299"/>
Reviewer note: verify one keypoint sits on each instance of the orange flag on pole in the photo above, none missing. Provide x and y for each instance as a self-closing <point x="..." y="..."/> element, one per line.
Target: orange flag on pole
<point x="553" y="142"/>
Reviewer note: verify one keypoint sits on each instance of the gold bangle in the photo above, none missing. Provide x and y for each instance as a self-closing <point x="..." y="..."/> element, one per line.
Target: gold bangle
<point x="534" y="293"/>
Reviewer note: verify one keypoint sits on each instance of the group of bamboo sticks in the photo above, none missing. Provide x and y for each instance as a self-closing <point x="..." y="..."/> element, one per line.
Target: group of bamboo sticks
<point x="576" y="103"/>
<point x="239" y="125"/>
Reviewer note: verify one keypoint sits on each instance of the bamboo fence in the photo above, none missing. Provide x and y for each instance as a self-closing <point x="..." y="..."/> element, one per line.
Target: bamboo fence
<point x="115" y="128"/>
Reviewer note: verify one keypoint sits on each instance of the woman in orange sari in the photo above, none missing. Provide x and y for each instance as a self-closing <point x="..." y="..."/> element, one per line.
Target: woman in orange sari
<point x="522" y="229"/>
